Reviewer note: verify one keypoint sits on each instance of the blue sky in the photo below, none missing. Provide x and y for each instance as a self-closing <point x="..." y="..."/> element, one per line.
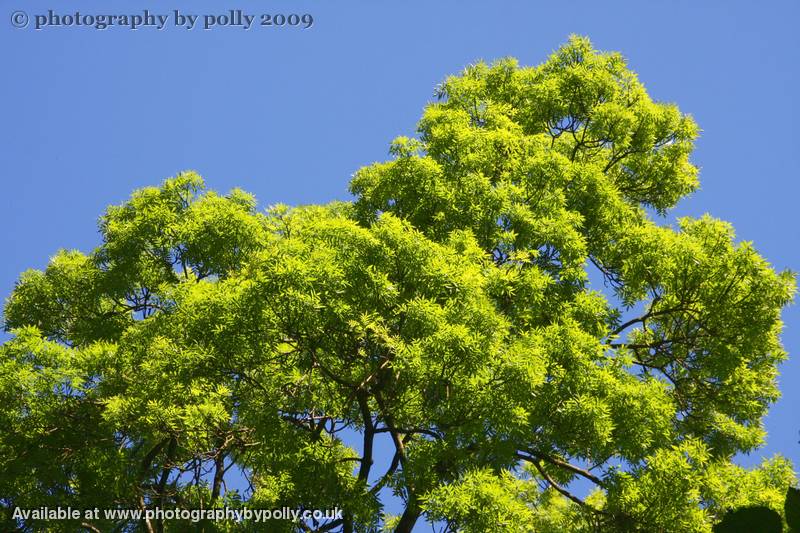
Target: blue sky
<point x="290" y="114"/>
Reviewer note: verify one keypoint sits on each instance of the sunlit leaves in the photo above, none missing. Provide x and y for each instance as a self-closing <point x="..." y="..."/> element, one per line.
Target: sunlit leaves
<point x="497" y="304"/>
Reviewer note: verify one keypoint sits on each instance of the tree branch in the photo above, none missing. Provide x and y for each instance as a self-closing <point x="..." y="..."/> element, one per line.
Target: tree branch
<point x="534" y="456"/>
<point x="559" y="488"/>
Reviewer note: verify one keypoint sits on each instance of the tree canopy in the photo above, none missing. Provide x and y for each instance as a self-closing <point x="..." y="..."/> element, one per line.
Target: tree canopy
<point x="502" y="302"/>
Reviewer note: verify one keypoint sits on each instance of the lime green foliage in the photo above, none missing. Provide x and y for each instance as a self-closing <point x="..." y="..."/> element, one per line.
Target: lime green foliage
<point x="482" y="501"/>
<point x="447" y="309"/>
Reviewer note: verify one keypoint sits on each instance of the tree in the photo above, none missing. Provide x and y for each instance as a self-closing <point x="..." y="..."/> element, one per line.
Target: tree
<point x="499" y="302"/>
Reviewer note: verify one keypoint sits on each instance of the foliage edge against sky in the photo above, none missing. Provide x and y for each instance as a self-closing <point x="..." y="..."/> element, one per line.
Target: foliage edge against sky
<point x="447" y="310"/>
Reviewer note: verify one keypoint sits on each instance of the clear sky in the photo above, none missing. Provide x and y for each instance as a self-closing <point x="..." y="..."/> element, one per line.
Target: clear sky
<point x="289" y="114"/>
